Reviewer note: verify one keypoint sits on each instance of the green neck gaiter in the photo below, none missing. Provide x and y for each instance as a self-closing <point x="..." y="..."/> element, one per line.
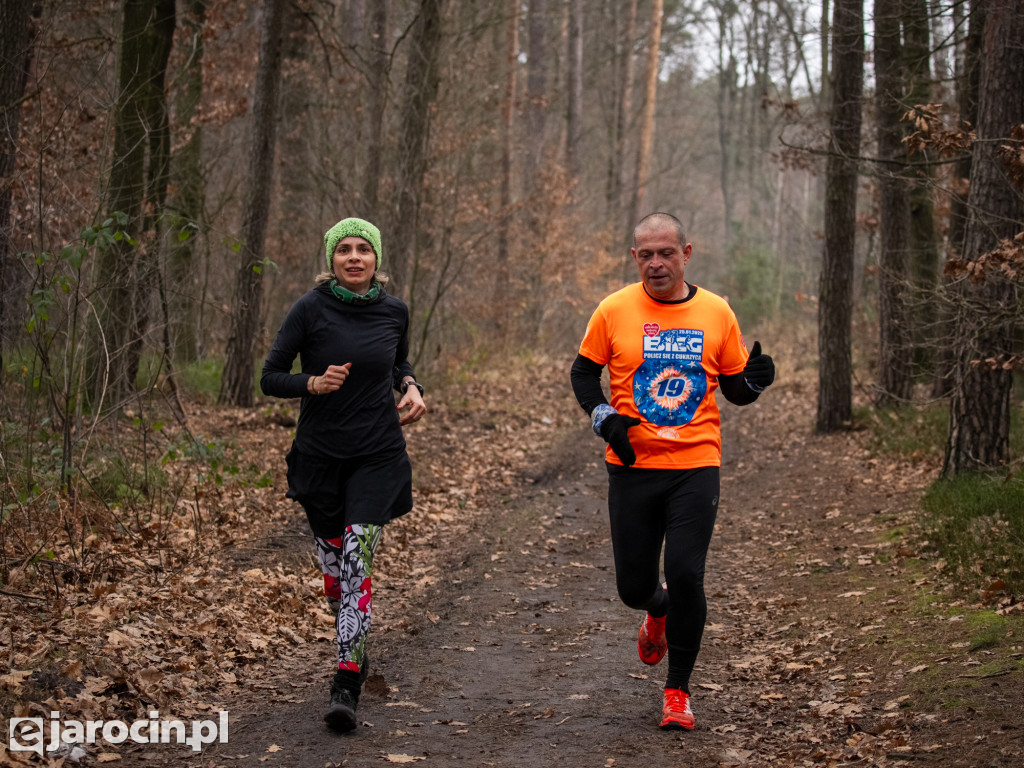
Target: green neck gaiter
<point x="349" y="297"/>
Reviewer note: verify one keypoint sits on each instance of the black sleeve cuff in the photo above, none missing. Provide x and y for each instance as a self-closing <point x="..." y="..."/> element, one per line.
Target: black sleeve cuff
<point x="735" y="389"/>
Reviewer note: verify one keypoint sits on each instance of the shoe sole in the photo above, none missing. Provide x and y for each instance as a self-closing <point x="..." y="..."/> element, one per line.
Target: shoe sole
<point x="651" y="661"/>
<point x="673" y="725"/>
<point x="340" y="719"/>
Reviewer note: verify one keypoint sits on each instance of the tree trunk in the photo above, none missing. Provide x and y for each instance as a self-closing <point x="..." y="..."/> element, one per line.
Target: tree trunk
<point x="979" y="423"/>
<point x="643" y="157"/>
<point x="297" y="140"/>
<point x="574" y="91"/>
<point x="113" y="346"/>
<point x="924" y="245"/>
<point x="17" y="40"/>
<point x="353" y="21"/>
<point x="623" y="108"/>
<point x="154" y="117"/>
<point x="895" y="351"/>
<point x="376" y="97"/>
<point x="508" y="111"/>
<point x="968" y="81"/>
<point x="825" y="96"/>
<point x="725" y="104"/>
<point x="237" y="384"/>
<point x="835" y="308"/>
<point x="536" y="92"/>
<point x="188" y="201"/>
<point x="420" y="92"/>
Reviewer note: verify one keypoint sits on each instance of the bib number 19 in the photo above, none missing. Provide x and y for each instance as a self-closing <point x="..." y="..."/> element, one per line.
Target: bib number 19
<point x="671" y="387"/>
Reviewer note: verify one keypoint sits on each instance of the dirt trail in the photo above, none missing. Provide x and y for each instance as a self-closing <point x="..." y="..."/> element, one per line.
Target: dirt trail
<point x="523" y="655"/>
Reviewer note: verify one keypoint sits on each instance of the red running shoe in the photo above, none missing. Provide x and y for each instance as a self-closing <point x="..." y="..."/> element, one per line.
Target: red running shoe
<point x="676" y="714"/>
<point x="651" y="643"/>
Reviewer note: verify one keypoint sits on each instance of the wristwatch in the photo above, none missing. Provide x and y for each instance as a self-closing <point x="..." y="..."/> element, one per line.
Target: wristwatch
<point x="404" y="387"/>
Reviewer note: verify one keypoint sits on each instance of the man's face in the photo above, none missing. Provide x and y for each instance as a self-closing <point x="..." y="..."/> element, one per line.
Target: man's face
<point x="660" y="257"/>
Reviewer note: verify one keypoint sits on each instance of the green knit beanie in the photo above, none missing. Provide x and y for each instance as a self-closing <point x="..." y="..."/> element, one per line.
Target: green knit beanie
<point x="351" y="228"/>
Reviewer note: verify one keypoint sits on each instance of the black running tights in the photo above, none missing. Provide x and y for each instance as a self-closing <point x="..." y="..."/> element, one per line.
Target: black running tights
<point x="677" y="508"/>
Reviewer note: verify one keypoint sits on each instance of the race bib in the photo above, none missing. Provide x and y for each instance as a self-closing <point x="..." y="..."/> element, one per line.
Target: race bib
<point x="671" y="383"/>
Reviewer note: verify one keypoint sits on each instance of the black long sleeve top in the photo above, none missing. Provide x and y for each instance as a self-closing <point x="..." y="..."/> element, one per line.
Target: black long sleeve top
<point x="360" y="418"/>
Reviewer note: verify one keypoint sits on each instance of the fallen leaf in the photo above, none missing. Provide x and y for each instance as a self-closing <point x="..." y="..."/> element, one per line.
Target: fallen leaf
<point x="151" y="675"/>
<point x="118" y="639"/>
<point x="107" y="757"/>
<point x="738" y="755"/>
<point x="403" y="758"/>
<point x="273" y="748"/>
<point x="14" y="679"/>
<point x="710" y="686"/>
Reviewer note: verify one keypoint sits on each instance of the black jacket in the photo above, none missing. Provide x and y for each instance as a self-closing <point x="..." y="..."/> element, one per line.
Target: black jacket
<point x="360" y="418"/>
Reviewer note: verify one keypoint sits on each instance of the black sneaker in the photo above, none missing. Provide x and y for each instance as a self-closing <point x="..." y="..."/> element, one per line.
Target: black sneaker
<point x="341" y="715"/>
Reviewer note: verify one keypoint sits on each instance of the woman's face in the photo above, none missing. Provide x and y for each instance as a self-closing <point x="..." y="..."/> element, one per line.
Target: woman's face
<point x="354" y="264"/>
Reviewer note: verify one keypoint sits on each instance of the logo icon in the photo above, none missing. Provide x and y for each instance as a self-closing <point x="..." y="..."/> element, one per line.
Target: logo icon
<point x="652" y="329"/>
<point x="26" y="734"/>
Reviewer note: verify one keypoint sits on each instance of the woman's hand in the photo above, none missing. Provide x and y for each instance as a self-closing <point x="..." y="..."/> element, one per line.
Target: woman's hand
<point x="331" y="379"/>
<point x="413" y="400"/>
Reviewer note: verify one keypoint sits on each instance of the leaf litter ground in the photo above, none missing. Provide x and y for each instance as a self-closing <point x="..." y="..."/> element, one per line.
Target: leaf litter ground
<point x="498" y="638"/>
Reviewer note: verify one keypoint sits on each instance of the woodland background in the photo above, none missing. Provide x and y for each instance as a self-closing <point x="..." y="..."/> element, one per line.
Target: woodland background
<point x="850" y="175"/>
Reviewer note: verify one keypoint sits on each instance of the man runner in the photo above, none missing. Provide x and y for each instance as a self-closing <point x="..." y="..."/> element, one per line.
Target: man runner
<point x="668" y="344"/>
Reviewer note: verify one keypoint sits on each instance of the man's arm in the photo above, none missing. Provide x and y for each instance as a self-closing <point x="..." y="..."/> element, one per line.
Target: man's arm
<point x="744" y="387"/>
<point x="609" y="424"/>
<point x="736" y="390"/>
<point x="586" y="383"/>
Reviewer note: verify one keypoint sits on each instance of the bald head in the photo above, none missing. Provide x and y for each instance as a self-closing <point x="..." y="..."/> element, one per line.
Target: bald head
<point x="659" y="221"/>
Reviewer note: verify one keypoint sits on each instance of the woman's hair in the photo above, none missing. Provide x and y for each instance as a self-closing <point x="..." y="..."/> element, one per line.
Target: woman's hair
<point x="326" y="277"/>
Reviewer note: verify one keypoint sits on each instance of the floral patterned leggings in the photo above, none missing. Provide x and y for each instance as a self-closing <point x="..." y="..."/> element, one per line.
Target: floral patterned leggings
<point x="347" y="564"/>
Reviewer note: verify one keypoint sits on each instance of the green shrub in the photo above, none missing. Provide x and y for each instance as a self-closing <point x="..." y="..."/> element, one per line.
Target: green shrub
<point x="119" y="481"/>
<point x="977" y="523"/>
<point x="911" y="431"/>
<point x="201" y="379"/>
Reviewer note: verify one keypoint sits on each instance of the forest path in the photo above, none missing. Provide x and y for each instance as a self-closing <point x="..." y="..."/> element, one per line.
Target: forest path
<point x="521" y="654"/>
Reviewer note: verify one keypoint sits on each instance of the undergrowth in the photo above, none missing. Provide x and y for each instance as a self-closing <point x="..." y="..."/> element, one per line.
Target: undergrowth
<point x="977" y="524"/>
<point x="975" y="521"/>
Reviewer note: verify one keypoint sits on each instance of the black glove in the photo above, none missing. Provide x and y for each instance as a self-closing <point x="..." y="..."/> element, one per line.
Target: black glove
<point x="759" y="372"/>
<point x="614" y="429"/>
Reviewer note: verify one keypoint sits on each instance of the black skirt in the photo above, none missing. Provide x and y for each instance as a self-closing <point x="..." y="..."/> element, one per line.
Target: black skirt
<point x="337" y="493"/>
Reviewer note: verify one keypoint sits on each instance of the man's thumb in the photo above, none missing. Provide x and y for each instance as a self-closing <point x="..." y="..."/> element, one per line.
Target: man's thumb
<point x="632" y="421"/>
<point x="755" y="350"/>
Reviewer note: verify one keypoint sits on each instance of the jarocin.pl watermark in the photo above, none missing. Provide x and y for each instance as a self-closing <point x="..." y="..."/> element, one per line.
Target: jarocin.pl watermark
<point x="28" y="733"/>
